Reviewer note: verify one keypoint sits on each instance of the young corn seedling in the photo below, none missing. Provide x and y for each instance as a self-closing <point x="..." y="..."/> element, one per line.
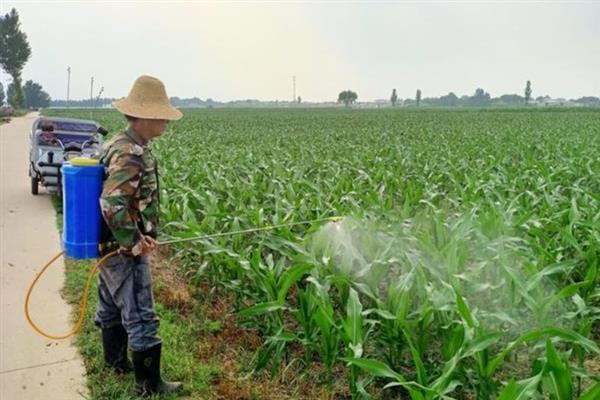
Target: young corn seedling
<point x="274" y="283"/>
<point x="501" y="205"/>
<point x="329" y="338"/>
<point x="355" y="334"/>
<point x="305" y="315"/>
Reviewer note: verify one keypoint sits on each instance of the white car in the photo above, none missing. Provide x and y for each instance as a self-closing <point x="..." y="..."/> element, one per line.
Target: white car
<point x="55" y="140"/>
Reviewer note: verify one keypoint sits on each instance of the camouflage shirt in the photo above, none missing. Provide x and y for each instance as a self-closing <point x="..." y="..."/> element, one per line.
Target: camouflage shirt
<point x="130" y="198"/>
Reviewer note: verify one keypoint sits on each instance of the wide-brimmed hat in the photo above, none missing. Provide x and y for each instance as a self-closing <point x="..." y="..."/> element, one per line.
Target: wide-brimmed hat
<point x="148" y="99"/>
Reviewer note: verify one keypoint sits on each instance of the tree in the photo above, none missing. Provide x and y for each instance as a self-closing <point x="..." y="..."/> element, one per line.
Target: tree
<point x="347" y="97"/>
<point x="512" y="99"/>
<point x="588" y="101"/>
<point x="418" y="98"/>
<point x="480" y="98"/>
<point x="449" y="100"/>
<point x="1" y="94"/>
<point x="394" y="98"/>
<point x="14" y="52"/>
<point x="14" y="95"/>
<point x="527" y="92"/>
<point x="35" y="96"/>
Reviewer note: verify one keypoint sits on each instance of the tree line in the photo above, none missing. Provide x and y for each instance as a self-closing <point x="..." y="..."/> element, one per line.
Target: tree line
<point x="481" y="98"/>
<point x="31" y="95"/>
<point x="14" y="53"/>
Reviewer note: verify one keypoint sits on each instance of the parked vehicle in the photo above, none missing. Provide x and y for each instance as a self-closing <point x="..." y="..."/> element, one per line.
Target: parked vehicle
<point x="56" y="140"/>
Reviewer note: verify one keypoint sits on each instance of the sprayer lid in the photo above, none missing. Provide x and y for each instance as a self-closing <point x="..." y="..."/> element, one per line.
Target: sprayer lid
<point x="83" y="162"/>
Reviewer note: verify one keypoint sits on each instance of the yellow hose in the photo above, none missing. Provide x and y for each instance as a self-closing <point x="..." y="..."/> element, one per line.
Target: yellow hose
<point x="84" y="304"/>
<point x="88" y="283"/>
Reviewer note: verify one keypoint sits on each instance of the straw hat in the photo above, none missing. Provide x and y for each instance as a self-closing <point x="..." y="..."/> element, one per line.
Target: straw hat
<point x="148" y="99"/>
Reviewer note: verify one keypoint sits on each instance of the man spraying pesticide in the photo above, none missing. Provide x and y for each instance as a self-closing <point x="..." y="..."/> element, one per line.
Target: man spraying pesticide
<point x="111" y="210"/>
<point x="125" y="235"/>
<point x="129" y="204"/>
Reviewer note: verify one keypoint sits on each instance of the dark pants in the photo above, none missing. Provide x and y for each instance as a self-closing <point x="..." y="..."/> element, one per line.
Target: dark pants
<point x="125" y="297"/>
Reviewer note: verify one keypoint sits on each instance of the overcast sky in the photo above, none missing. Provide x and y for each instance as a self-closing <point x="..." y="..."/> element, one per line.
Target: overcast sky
<point x="230" y="50"/>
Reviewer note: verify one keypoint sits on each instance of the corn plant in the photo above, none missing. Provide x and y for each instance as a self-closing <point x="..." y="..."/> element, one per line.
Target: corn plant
<point x="329" y="337"/>
<point x="473" y="240"/>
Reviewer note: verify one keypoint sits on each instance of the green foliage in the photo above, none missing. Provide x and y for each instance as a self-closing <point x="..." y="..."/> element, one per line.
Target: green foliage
<point x="449" y="100"/>
<point x="14" y="53"/>
<point x="527" y="92"/>
<point x="480" y="98"/>
<point x="347" y="97"/>
<point x="469" y="268"/>
<point x="35" y="96"/>
<point x="14" y="48"/>
<point x="513" y="99"/>
<point x="15" y="95"/>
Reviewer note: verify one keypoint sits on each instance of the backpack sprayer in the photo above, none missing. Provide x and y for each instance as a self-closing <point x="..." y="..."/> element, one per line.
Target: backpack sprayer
<point x="82" y="186"/>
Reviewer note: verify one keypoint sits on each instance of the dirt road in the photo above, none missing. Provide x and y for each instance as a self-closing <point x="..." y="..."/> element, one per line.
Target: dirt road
<point x="31" y="367"/>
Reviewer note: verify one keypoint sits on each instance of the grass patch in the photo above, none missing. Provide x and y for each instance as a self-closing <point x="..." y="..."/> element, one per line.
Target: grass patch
<point x="5" y="119"/>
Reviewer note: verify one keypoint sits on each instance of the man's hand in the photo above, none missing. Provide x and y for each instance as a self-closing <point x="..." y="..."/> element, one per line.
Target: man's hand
<point x="148" y="244"/>
<point x="145" y="245"/>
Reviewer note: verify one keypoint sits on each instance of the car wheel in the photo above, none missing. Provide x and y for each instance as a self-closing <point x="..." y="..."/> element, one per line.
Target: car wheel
<point x="34" y="185"/>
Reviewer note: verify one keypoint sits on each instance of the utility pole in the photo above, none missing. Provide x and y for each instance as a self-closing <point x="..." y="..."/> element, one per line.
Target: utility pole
<point x="92" y="91"/>
<point x="98" y="97"/>
<point x="294" y="89"/>
<point x="68" y="84"/>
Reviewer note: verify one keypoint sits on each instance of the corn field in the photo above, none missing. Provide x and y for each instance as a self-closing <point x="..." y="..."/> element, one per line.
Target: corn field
<point x="465" y="264"/>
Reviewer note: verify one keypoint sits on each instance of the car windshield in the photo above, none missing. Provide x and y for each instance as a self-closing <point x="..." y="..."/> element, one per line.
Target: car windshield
<point x="68" y="126"/>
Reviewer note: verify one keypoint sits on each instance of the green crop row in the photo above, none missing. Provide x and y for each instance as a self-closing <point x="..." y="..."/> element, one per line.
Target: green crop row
<point x="466" y="266"/>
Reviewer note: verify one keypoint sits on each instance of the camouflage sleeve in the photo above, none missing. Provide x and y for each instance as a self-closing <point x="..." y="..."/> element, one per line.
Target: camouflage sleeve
<point x="120" y="189"/>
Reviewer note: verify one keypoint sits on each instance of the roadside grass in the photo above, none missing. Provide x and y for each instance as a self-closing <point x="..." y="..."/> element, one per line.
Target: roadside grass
<point x="6" y="118"/>
<point x="20" y="113"/>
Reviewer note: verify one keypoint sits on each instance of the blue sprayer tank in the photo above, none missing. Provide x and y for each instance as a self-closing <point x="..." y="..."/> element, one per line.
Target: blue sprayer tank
<point x="82" y="186"/>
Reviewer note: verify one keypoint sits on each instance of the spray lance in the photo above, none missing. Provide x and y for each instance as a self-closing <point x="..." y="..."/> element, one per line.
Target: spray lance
<point x="82" y="186"/>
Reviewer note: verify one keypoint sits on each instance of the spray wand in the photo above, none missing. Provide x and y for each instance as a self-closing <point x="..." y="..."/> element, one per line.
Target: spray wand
<point x="92" y="272"/>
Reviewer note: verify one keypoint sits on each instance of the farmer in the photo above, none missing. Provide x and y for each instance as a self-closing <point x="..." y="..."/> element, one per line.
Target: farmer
<point x="129" y="204"/>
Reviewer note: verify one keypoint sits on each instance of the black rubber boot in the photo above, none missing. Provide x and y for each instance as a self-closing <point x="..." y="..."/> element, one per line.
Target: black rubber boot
<point x="114" y="341"/>
<point x="146" y="365"/>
